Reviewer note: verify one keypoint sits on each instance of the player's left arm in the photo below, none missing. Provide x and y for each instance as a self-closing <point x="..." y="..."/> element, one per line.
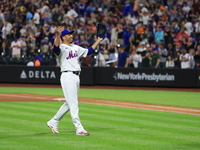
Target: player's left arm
<point x="94" y="46"/>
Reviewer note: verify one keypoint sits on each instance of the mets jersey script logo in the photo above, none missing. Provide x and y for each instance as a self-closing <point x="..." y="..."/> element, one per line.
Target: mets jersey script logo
<point x="72" y="54"/>
<point x="69" y="57"/>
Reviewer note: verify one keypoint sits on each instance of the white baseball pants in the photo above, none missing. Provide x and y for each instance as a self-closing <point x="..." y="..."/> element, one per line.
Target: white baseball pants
<point x="70" y="84"/>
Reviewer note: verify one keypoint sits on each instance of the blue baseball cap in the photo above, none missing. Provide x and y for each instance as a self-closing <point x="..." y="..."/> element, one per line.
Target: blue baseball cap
<point x="15" y="38"/>
<point x="22" y="36"/>
<point x="120" y="46"/>
<point x="101" y="49"/>
<point x="182" y="48"/>
<point x="155" y="49"/>
<point x="65" y="32"/>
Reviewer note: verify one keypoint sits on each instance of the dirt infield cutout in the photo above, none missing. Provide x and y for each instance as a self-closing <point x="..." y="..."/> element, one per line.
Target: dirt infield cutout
<point x="18" y="97"/>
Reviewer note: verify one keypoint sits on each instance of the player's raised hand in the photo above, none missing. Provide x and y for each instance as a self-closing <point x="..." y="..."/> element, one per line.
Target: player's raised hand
<point x="60" y="29"/>
<point x="100" y="39"/>
<point x="57" y="40"/>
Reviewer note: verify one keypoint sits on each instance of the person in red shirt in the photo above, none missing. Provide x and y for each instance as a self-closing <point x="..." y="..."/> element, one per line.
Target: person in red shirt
<point x="182" y="34"/>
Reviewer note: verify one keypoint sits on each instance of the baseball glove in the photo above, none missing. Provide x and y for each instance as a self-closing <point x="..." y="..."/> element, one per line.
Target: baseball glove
<point x="101" y="30"/>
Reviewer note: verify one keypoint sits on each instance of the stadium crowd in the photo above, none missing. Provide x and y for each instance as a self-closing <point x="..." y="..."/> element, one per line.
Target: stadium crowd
<point x="141" y="33"/>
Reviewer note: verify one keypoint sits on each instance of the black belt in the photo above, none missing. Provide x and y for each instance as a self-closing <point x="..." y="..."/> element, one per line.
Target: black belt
<point x="74" y="72"/>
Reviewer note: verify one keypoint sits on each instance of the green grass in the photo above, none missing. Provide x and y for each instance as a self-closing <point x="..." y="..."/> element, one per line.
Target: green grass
<point x="23" y="127"/>
<point x="174" y="98"/>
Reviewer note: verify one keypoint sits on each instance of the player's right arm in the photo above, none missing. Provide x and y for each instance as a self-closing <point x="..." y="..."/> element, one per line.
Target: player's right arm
<point x="58" y="41"/>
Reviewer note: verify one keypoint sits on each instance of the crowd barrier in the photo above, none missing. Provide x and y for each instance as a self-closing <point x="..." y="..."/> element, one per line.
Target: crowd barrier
<point x="104" y="76"/>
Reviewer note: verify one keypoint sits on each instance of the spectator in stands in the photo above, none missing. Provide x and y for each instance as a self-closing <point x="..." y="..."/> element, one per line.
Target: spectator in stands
<point x="31" y="42"/>
<point x="4" y="50"/>
<point x="45" y="45"/>
<point x="189" y="27"/>
<point x="1" y="26"/>
<point x="86" y="61"/>
<point x="16" y="46"/>
<point x="71" y="13"/>
<point x="172" y="38"/>
<point x="170" y="49"/>
<point x="55" y="13"/>
<point x="140" y="48"/>
<point x="186" y="8"/>
<point x="2" y="16"/>
<point x="123" y="56"/>
<point x="154" y="45"/>
<point x="6" y="29"/>
<point x="184" y="58"/>
<point x="140" y="28"/>
<point x="176" y="55"/>
<point x="159" y="34"/>
<point x="145" y="16"/>
<point x="191" y="59"/>
<point x="119" y="31"/>
<point x="170" y="62"/>
<point x="36" y="17"/>
<point x="155" y="58"/>
<point x="31" y="27"/>
<point x="100" y="60"/>
<point x="46" y="30"/>
<point x="114" y="33"/>
<point x="127" y="8"/>
<point x="197" y="27"/>
<point x="38" y="36"/>
<point x="112" y="51"/>
<point x="134" y="59"/>
<point x="38" y="58"/>
<point x="52" y="32"/>
<point x="167" y="35"/>
<point x="29" y="16"/>
<point x="197" y="56"/>
<point x="148" y="34"/>
<point x="182" y="34"/>
<point x="24" y="29"/>
<point x="189" y="44"/>
<point x="83" y="41"/>
<point x="146" y="57"/>
<point x="37" y="63"/>
<point x="112" y="6"/>
<point x="24" y="47"/>
<point x="126" y="36"/>
<point x="76" y="39"/>
<point x="163" y="55"/>
<point x="30" y="62"/>
<point x="170" y="16"/>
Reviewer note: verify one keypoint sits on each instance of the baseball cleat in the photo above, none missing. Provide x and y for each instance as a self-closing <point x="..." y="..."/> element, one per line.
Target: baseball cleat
<point x="53" y="129"/>
<point x="84" y="133"/>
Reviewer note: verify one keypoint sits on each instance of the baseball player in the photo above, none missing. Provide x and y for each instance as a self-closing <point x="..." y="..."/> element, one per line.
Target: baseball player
<point x="68" y="55"/>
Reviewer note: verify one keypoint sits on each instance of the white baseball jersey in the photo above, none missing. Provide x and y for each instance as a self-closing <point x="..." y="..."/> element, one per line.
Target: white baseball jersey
<point x="69" y="57"/>
<point x="189" y="27"/>
<point x="185" y="64"/>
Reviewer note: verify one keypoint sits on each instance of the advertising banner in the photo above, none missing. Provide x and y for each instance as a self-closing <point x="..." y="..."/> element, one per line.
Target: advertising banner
<point x="42" y="75"/>
<point x="198" y="78"/>
<point x="146" y="77"/>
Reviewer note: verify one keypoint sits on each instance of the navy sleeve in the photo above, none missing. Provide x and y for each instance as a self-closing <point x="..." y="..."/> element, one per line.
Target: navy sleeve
<point x="164" y="55"/>
<point x="90" y="50"/>
<point x="56" y="50"/>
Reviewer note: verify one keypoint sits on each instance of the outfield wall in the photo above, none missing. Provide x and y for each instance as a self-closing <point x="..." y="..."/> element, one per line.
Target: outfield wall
<point x="104" y="76"/>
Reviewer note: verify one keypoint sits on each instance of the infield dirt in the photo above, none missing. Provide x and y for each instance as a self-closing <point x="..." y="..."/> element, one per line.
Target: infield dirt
<point x="44" y="98"/>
